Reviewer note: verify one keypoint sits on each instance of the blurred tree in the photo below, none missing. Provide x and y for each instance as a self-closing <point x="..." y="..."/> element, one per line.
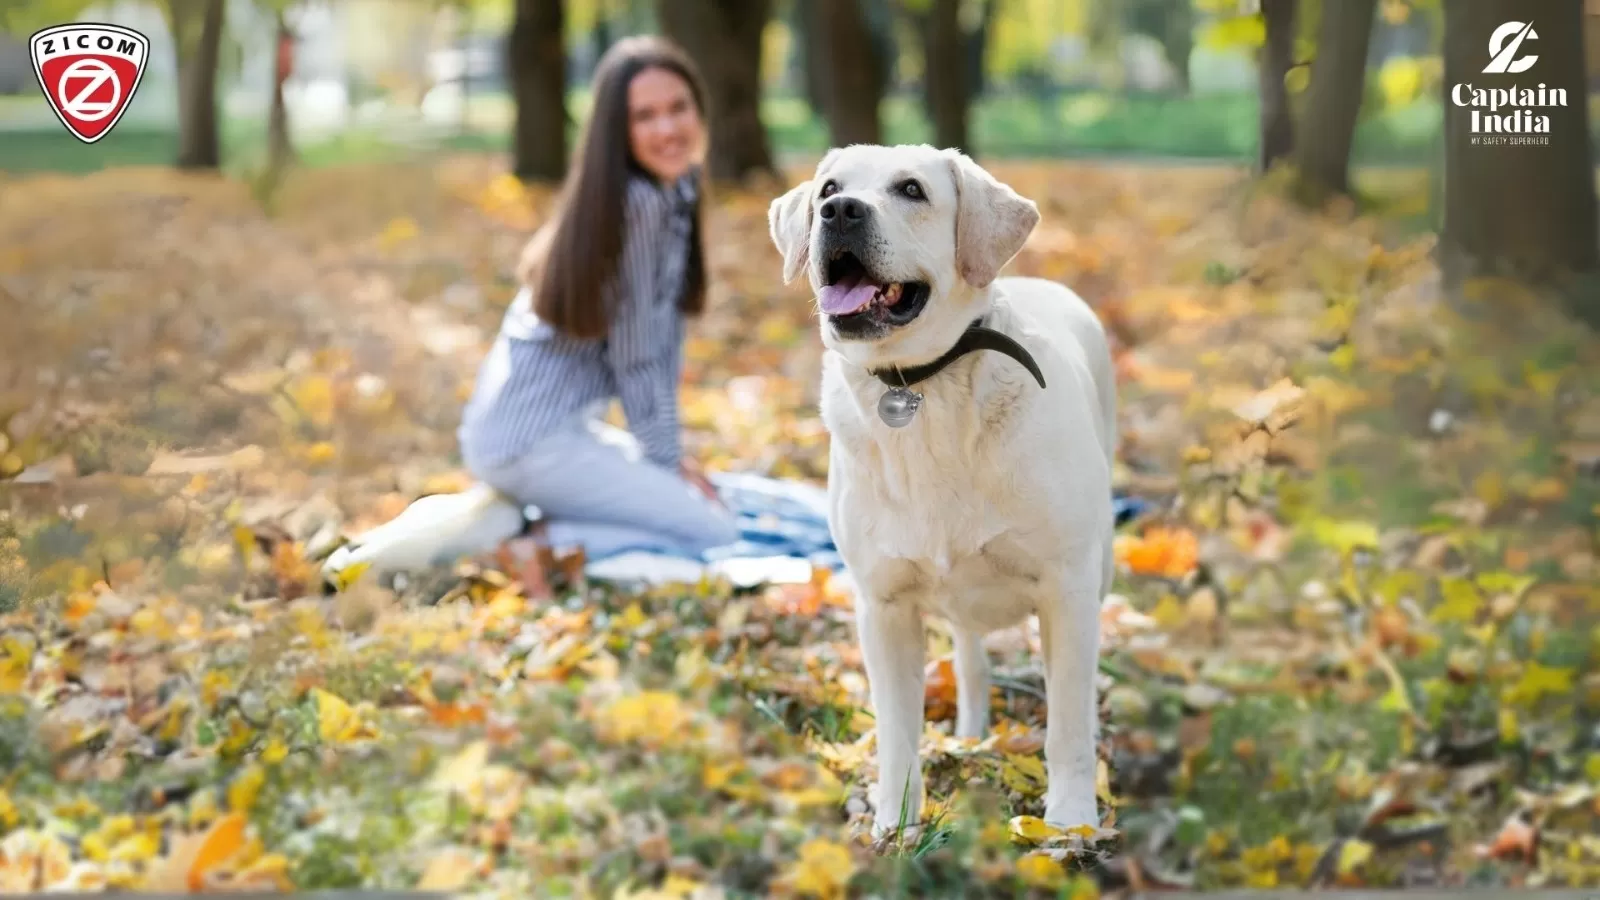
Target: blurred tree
<point x="1277" y="58"/>
<point x="1327" y="127"/>
<point x="1527" y="208"/>
<point x="1172" y="23"/>
<point x="724" y="39"/>
<point x="23" y="17"/>
<point x="196" y="27"/>
<point x="808" y="54"/>
<point x="280" y="149"/>
<point x="850" y="74"/>
<point x="949" y="28"/>
<point x="537" y="67"/>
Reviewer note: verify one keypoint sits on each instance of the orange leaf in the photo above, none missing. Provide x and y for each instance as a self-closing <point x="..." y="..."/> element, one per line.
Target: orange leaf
<point x="219" y="845"/>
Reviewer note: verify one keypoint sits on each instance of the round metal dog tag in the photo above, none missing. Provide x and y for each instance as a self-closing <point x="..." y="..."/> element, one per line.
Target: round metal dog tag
<point x="898" y="406"/>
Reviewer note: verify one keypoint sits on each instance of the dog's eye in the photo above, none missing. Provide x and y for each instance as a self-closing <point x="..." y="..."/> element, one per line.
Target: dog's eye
<point x="829" y="188"/>
<point x="913" y="190"/>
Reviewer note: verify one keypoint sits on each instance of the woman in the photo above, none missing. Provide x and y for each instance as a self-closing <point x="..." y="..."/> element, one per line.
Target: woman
<point x="607" y="285"/>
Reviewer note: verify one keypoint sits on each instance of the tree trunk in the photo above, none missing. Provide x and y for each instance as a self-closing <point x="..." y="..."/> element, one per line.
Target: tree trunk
<point x="464" y="47"/>
<point x="1529" y="208"/>
<point x="1177" y="41"/>
<point x="196" y="26"/>
<point x="280" y="151"/>
<point x="724" y="39"/>
<point x="809" y="55"/>
<point x="537" y="66"/>
<point x="1333" y="100"/>
<point x="1277" y="56"/>
<point x="850" y="75"/>
<point x="945" y="72"/>
<point x="976" y="51"/>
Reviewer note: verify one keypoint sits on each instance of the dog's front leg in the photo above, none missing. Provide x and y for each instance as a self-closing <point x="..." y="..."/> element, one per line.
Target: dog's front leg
<point x="892" y="648"/>
<point x="972" y="683"/>
<point x="1069" y="630"/>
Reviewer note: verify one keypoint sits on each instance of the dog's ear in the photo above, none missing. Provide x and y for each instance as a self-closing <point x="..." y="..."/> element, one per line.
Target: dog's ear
<point x="992" y="221"/>
<point x="789" y="221"/>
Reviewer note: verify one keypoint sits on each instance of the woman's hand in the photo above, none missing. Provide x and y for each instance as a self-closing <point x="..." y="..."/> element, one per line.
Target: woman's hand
<point x="693" y="474"/>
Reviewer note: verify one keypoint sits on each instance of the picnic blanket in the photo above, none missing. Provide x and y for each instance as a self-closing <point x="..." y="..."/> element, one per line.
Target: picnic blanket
<point x="783" y="535"/>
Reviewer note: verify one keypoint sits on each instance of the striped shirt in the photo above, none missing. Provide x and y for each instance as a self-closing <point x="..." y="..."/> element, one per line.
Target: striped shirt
<point x="536" y="379"/>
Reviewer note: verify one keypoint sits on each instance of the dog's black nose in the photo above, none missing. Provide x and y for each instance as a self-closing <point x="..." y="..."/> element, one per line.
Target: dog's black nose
<point x="843" y="213"/>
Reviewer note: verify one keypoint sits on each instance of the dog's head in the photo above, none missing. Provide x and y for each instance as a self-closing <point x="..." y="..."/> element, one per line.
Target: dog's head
<point x="898" y="243"/>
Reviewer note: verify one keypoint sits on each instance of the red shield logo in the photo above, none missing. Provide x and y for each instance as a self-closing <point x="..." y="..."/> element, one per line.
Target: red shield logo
<point x="88" y="72"/>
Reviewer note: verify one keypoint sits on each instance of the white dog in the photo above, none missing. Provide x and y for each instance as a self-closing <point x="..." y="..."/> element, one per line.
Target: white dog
<point x="975" y="486"/>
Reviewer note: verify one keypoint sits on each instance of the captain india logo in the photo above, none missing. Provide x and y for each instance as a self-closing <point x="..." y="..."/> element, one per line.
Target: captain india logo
<point x="1509" y="115"/>
<point x="89" y="72"/>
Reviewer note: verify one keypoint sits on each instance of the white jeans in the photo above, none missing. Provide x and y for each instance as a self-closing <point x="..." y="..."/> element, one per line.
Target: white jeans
<point x="593" y="487"/>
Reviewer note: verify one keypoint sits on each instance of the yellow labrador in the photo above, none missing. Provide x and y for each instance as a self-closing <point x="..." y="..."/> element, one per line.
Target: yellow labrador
<point x="973" y="424"/>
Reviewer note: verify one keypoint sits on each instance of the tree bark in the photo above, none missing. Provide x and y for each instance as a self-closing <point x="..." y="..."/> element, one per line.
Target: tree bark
<point x="1277" y="56"/>
<point x="1177" y="41"/>
<point x="809" y="56"/>
<point x="280" y="151"/>
<point x="724" y="39"/>
<point x="945" y="72"/>
<point x="976" y="51"/>
<point x="1333" y="100"/>
<point x="537" y="66"/>
<point x="1522" y="209"/>
<point x="196" y="26"/>
<point x="850" y="76"/>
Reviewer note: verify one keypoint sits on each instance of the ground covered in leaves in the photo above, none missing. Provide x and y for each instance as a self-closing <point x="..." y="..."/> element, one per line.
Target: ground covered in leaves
<point x="1356" y="642"/>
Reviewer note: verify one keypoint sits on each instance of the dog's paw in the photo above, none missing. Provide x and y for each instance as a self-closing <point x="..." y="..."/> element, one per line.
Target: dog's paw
<point x="1072" y="813"/>
<point x="885" y="833"/>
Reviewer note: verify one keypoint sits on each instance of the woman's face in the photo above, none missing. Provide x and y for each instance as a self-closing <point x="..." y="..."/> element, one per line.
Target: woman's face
<point x="664" y="126"/>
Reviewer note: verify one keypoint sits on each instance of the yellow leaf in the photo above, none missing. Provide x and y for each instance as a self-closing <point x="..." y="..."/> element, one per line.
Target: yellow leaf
<point x="1538" y="680"/>
<point x="343" y="578"/>
<point x="397" y="231"/>
<point x="337" y="722"/>
<point x="1169" y="612"/>
<point x="275" y="751"/>
<point x="451" y="870"/>
<point x="1510" y="730"/>
<point x="1023" y="774"/>
<point x="1400" y="80"/>
<point x="657" y="718"/>
<point x="245" y="787"/>
<point x="1591" y="768"/>
<point x="136" y="847"/>
<point x="823" y="869"/>
<point x="1460" y="602"/>
<point x="1343" y="358"/>
<point x="1031" y="830"/>
<point x="1490" y="487"/>
<point x="16" y="658"/>
<point x="465" y="769"/>
<point x="1234" y="32"/>
<point x="1345" y="535"/>
<point x="1297" y="79"/>
<point x="313" y="399"/>
<point x="1041" y="871"/>
<point x="1352" y="856"/>
<point x="632" y="617"/>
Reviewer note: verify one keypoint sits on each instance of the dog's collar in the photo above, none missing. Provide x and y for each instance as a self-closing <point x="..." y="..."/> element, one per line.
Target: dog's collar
<point x="976" y="337"/>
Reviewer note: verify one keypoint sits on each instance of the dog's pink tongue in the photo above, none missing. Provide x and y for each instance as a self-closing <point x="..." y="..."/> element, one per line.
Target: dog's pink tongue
<point x="847" y="296"/>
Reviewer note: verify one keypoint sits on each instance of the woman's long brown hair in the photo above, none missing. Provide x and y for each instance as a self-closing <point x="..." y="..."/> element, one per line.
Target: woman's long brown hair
<point x="571" y="260"/>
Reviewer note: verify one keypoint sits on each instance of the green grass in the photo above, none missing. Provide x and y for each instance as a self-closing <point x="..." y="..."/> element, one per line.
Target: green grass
<point x="1070" y="124"/>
